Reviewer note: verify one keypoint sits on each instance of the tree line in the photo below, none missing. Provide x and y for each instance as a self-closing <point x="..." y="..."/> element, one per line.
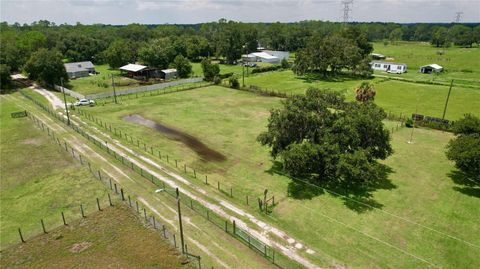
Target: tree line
<point x="159" y="45"/>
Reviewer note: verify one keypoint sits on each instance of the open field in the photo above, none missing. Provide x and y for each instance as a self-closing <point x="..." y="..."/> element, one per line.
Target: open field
<point x="421" y="215"/>
<point x="101" y="82"/>
<point x="458" y="62"/>
<point x="394" y="96"/>
<point x="39" y="180"/>
<point x="97" y="241"/>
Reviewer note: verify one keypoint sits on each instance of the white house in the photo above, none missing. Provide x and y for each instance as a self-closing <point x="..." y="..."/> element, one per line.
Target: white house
<point x="79" y="69"/>
<point x="397" y="68"/>
<point x="428" y="69"/>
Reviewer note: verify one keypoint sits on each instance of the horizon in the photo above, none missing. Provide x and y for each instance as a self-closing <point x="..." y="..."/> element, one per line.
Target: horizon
<point x="183" y="12"/>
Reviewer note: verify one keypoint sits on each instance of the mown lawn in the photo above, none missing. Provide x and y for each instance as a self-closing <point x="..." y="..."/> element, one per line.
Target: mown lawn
<point x="422" y="189"/>
<point x="113" y="237"/>
<point x="38" y="179"/>
<point x="394" y="96"/>
<point x="101" y="82"/>
<point x="458" y="63"/>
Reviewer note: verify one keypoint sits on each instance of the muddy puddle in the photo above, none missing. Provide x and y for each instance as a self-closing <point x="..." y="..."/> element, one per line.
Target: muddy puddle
<point x="192" y="142"/>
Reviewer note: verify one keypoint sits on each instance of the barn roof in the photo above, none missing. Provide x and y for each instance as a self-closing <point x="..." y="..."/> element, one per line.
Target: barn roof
<point x="433" y="66"/>
<point x="78" y="66"/>
<point x="133" y="67"/>
<point x="263" y="55"/>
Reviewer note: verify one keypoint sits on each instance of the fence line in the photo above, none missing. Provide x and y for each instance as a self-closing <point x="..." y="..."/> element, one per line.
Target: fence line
<point x="268" y="252"/>
<point x="69" y="92"/>
<point x="115" y="188"/>
<point x="229" y="191"/>
<point x="145" y="88"/>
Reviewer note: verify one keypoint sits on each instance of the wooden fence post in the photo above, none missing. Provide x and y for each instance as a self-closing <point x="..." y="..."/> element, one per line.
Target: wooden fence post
<point x="109" y="199"/>
<point x="81" y="209"/>
<point x="63" y="218"/>
<point x="98" y="205"/>
<point x="121" y="192"/>
<point x="43" y="226"/>
<point x="21" y="236"/>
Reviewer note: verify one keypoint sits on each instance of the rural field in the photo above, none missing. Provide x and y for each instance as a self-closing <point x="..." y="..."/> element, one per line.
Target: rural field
<point x="409" y="215"/>
<point x="97" y="242"/>
<point x="30" y="189"/>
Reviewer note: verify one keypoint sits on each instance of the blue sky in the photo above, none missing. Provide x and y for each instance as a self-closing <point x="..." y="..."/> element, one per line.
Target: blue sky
<point x="195" y="11"/>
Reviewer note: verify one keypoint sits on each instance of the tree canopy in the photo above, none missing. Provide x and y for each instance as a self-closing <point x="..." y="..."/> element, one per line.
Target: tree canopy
<point x="321" y="137"/>
<point x="46" y="66"/>
<point x="183" y="66"/>
<point x="464" y="149"/>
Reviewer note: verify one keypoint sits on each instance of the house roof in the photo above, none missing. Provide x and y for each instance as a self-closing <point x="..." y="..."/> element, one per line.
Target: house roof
<point x="382" y="62"/>
<point x="168" y="71"/>
<point x="433" y="66"/>
<point x="133" y="67"/>
<point x="78" y="66"/>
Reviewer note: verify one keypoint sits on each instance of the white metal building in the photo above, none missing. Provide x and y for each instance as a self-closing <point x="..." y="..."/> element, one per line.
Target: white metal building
<point x="428" y="69"/>
<point x="168" y="73"/>
<point x="390" y="67"/>
<point x="261" y="57"/>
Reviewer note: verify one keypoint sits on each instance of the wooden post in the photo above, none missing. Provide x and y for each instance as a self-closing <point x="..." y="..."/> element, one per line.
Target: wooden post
<point x="206" y="180"/>
<point x="63" y="218"/>
<point x="194" y="174"/>
<point x="234" y="227"/>
<point x="231" y="191"/>
<point x="110" y="180"/>
<point x="154" y="223"/>
<point x="81" y="162"/>
<point x="164" y="231"/>
<point x="99" y="175"/>
<point x="110" y="199"/>
<point x="180" y="221"/>
<point x="43" y="226"/>
<point x="247" y="198"/>
<point x="226" y="226"/>
<point x="115" y="185"/>
<point x="121" y="192"/>
<point x="98" y="205"/>
<point x="136" y="202"/>
<point x="145" y="213"/>
<point x="185" y="168"/>
<point x="174" y="241"/>
<point x="81" y="210"/>
<point x="129" y="201"/>
<point x="208" y="214"/>
<point x="21" y="236"/>
<point x="218" y="185"/>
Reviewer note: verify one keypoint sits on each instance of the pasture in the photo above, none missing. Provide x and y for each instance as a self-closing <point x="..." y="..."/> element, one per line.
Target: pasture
<point x="39" y="180"/>
<point x="421" y="214"/>
<point x="394" y="96"/>
<point x="458" y="63"/>
<point x="97" y="242"/>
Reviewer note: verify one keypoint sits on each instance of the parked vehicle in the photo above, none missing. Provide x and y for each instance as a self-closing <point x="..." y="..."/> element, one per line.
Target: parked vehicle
<point x="85" y="102"/>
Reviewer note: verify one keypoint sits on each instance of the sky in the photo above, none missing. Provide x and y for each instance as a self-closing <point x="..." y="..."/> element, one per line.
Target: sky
<point x="197" y="11"/>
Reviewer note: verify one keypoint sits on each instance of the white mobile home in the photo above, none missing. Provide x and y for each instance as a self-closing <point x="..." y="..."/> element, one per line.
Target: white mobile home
<point x="397" y="68"/>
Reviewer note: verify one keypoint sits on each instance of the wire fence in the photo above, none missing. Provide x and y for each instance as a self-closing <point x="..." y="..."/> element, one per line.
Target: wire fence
<point x="120" y="194"/>
<point x="229" y="190"/>
<point x="268" y="252"/>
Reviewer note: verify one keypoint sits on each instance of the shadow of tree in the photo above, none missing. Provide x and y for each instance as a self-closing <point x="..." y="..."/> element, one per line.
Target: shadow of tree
<point x="313" y="77"/>
<point x="469" y="186"/>
<point x="359" y="199"/>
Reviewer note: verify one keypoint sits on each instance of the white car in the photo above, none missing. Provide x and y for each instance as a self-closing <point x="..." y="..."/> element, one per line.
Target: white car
<point x="84" y="102"/>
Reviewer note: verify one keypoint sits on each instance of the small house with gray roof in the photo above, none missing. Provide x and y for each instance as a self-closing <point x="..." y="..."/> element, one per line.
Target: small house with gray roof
<point x="79" y="69"/>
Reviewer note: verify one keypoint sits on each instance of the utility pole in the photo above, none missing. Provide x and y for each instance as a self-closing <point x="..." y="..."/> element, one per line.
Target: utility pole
<point x="114" y="92"/>
<point x="65" y="101"/>
<point x="446" y="102"/>
<point x="346" y="10"/>
<point x="458" y="16"/>
<point x="180" y="222"/>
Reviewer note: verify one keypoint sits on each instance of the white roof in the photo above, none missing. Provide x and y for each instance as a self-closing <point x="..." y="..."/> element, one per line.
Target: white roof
<point x="262" y="55"/>
<point x="434" y="66"/>
<point x="133" y="67"/>
<point x="171" y="70"/>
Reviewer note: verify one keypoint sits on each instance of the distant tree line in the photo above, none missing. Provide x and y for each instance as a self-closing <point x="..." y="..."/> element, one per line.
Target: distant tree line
<point x="159" y="45"/>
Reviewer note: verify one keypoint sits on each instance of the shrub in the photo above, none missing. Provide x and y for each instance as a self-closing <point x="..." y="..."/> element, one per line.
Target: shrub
<point x="266" y="69"/>
<point x="285" y="64"/>
<point x="233" y="82"/>
<point x="217" y="80"/>
<point x="409" y="123"/>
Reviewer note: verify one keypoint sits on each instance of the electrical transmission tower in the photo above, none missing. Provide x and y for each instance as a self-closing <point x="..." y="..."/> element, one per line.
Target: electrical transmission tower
<point x="346" y="10"/>
<point x="458" y="16"/>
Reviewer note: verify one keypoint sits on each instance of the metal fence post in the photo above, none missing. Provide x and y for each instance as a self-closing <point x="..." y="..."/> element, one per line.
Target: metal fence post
<point x="81" y="210"/>
<point x="63" y="218"/>
<point x="43" y="226"/>
<point x="98" y="205"/>
<point x="21" y="236"/>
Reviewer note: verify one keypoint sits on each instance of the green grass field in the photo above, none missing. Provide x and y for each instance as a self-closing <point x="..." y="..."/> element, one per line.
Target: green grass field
<point x="458" y="62"/>
<point x="101" y="82"/>
<point x="421" y="190"/>
<point x="38" y="178"/>
<point x="97" y="242"/>
<point x="394" y="96"/>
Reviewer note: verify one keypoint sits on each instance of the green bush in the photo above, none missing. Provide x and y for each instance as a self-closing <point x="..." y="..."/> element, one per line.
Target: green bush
<point x="233" y="82"/>
<point x="409" y="123"/>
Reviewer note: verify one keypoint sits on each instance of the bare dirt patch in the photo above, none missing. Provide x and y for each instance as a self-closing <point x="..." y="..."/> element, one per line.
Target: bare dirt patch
<point x="79" y="247"/>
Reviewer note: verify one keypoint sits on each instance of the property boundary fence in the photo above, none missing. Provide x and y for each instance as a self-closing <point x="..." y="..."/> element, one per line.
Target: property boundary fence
<point x="70" y="92"/>
<point x="145" y="88"/>
<point x="119" y="192"/>
<point x="269" y="253"/>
